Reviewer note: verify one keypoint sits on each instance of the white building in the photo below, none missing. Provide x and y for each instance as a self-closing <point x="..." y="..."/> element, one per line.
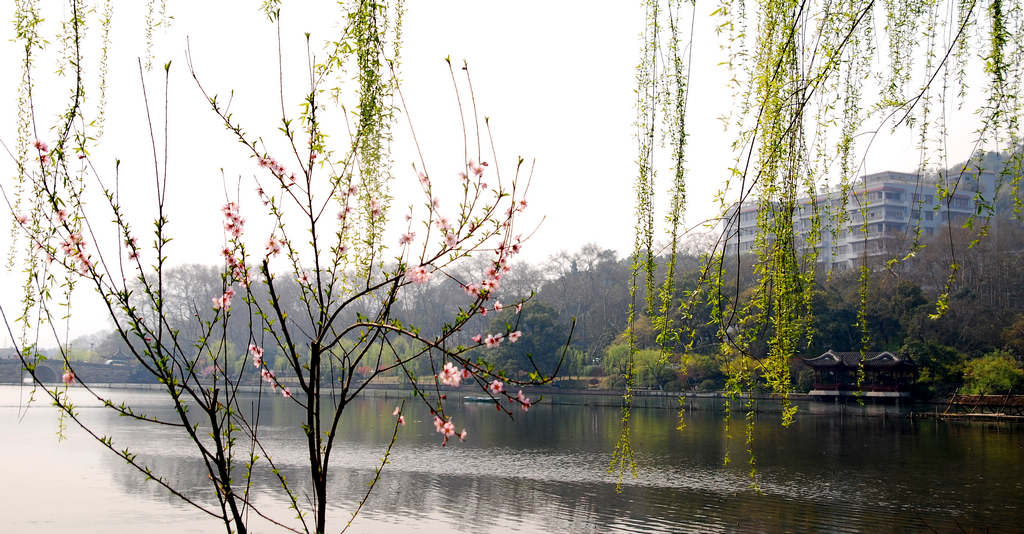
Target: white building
<point x="894" y="204"/>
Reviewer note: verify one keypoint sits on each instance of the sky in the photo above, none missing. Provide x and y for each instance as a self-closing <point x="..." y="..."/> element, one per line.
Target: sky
<point x="556" y="80"/>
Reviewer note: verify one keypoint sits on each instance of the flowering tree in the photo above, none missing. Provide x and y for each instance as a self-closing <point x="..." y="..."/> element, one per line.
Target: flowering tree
<point x="327" y="212"/>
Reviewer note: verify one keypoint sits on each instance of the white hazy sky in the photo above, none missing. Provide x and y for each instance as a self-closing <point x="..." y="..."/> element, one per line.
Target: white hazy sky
<point x="556" y="79"/>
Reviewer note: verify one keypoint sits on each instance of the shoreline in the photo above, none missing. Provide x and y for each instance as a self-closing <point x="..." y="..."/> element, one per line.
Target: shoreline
<point x="696" y="401"/>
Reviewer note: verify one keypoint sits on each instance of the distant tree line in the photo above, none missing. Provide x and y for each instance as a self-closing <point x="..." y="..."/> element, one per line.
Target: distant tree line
<point x="977" y="345"/>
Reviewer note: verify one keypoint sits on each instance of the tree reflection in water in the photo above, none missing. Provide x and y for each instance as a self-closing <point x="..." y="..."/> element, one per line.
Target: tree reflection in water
<point x="546" y="473"/>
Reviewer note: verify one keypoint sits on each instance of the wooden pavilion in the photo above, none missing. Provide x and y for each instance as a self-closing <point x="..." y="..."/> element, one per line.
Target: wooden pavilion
<point x="886" y="375"/>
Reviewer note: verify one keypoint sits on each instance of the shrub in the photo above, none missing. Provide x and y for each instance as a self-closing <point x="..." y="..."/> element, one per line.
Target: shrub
<point x="994" y="373"/>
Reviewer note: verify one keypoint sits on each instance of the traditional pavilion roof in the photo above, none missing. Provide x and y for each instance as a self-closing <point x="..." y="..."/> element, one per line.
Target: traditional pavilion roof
<point x="851" y="360"/>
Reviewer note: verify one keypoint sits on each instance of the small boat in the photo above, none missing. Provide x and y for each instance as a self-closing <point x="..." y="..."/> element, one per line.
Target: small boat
<point x="476" y="399"/>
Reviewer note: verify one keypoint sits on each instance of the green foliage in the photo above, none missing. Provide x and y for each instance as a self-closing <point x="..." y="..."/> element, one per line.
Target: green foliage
<point x="940" y="368"/>
<point x="540" y="348"/>
<point x="703" y="372"/>
<point x="995" y="373"/>
<point x="1013" y="338"/>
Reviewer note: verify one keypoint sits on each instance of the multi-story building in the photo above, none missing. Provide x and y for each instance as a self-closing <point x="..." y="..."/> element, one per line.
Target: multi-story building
<point x="880" y="217"/>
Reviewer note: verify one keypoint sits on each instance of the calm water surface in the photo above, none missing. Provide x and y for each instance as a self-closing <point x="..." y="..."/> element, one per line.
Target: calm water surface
<point x="544" y="472"/>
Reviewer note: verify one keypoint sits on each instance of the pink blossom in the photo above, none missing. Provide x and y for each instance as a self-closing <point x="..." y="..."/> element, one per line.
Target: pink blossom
<point x="303" y="279"/>
<point x="463" y="434"/>
<point x="514" y="336"/>
<point x="477" y="338"/>
<point x="273" y="246"/>
<point x="522" y="204"/>
<point x="234" y="227"/>
<point x="418" y="275"/>
<point x="424" y="181"/>
<point x="375" y="207"/>
<point x="407" y="238"/>
<point x="496" y="387"/>
<point x="41" y="146"/>
<point x="401" y="420"/>
<point x="352" y="189"/>
<point x="450" y="375"/>
<point x="68" y="377"/>
<point x="498" y="306"/>
<point x="257" y="354"/>
<point x="243" y="275"/>
<point x="272" y="164"/>
<point x="224" y="301"/>
<point x="463" y="177"/>
<point x="44" y="158"/>
<point x="519" y="307"/>
<point x="22" y="219"/>
<point x="466" y="373"/>
<point x="233" y="222"/>
<point x="451" y="240"/>
<point x="472" y="290"/>
<point x="397" y="412"/>
<point x="492" y="341"/>
<point x="84" y="264"/>
<point x="445" y="428"/>
<point x="483" y="311"/>
<point x="435" y="203"/>
<point x="286" y="393"/>
<point x="476" y="168"/>
<point x="62" y="215"/>
<point x="490" y="285"/>
<point x="524" y="401"/>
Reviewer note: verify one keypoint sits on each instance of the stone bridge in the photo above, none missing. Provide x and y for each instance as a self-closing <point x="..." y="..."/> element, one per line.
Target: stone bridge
<point x="50" y="371"/>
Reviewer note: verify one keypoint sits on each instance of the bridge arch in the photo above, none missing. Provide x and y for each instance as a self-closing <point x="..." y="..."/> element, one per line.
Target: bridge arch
<point x="46" y="373"/>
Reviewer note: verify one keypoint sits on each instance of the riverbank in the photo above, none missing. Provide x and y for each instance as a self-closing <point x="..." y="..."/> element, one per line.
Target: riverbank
<point x="650" y="399"/>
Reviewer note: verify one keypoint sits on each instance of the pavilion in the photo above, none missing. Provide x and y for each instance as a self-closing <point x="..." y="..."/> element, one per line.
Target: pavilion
<point x="886" y="375"/>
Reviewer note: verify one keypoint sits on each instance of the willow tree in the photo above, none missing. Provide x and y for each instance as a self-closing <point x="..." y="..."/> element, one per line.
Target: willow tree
<point x="814" y="84"/>
<point x="326" y="200"/>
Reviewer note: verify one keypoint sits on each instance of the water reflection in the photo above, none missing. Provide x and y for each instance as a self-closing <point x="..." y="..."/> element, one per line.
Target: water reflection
<point x="546" y="471"/>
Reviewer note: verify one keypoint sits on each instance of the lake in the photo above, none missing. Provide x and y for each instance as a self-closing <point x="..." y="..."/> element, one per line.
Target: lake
<point x="546" y="471"/>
